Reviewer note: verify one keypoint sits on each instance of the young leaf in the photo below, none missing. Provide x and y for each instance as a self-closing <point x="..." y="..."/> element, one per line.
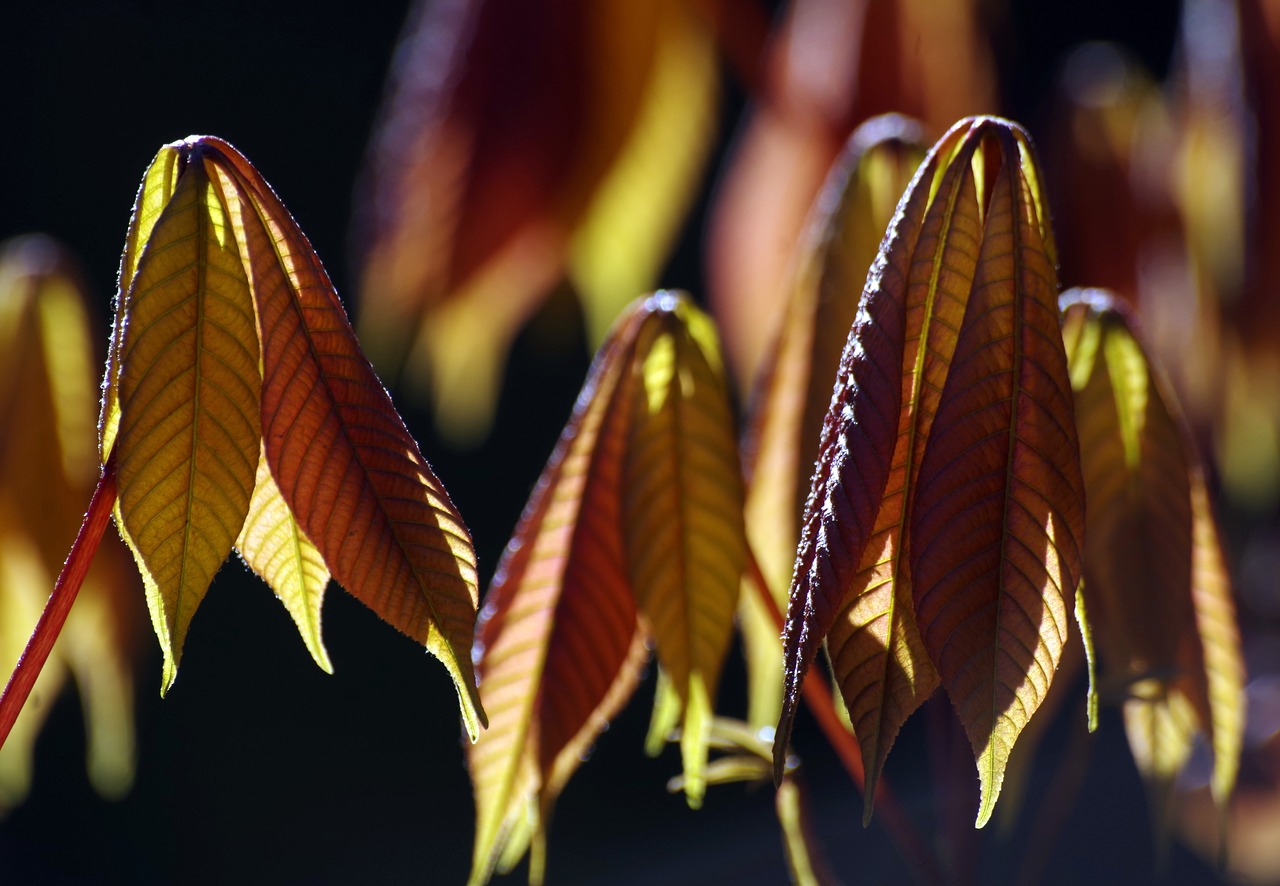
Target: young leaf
<point x="187" y="449"/>
<point x="682" y="513"/>
<point x="275" y="547"/>
<point x="877" y="655"/>
<point x="792" y="394"/>
<point x="338" y="451"/>
<point x="998" y="518"/>
<point x="1136" y="472"/>
<point x="847" y="581"/>
<point x="558" y="645"/>
<point x="858" y="435"/>
<point x="1157" y="590"/>
<point x="633" y="534"/>
<point x="158" y="185"/>
<point x="1222" y="718"/>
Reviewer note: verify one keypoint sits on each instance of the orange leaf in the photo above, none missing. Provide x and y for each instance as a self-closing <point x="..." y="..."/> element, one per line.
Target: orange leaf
<point x="488" y="184"/>
<point x="998" y="520"/>
<point x="340" y="454"/>
<point x="558" y="645"/>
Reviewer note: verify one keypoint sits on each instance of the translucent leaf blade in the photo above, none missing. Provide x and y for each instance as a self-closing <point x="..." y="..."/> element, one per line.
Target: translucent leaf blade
<point x="1156" y="571"/>
<point x="275" y="547"/>
<point x="1136" y="474"/>
<point x="1219" y="636"/>
<point x="858" y="439"/>
<point x="793" y="391"/>
<point x="998" y="520"/>
<point x="187" y="448"/>
<point x="158" y="185"/>
<point x="339" y="452"/>
<point x="682" y="512"/>
<point x="557" y="646"/>
<point x="878" y="658"/>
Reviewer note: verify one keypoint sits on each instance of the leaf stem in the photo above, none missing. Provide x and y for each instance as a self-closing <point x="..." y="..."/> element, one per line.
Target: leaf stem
<point x="818" y="698"/>
<point x="59" y="604"/>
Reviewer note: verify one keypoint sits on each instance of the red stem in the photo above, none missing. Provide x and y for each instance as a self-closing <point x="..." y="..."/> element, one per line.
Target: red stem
<point x="59" y="604"/>
<point x="818" y="698"/>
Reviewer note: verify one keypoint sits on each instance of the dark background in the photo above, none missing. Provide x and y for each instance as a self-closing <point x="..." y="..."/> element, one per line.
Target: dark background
<point x="258" y="767"/>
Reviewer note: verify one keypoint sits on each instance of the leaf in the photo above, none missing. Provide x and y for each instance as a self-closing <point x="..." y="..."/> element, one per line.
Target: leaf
<point x="828" y="68"/>
<point x="1158" y="592"/>
<point x="861" y="436"/>
<point x="628" y="229"/>
<point x="793" y="391"/>
<point x="47" y="389"/>
<point x="1136" y="473"/>
<point x="877" y="655"/>
<point x="158" y="185"/>
<point x="187" y="448"/>
<point x="488" y="185"/>
<point x="339" y="452"/>
<point x="558" y="646"/>
<point x="1219" y="637"/>
<point x="682" y="512"/>
<point x="275" y="547"/>
<point x="998" y="521"/>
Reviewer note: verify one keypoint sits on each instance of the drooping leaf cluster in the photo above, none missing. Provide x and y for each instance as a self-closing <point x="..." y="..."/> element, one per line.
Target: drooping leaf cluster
<point x="633" y="536"/>
<point x="944" y="528"/>
<point x="239" y="413"/>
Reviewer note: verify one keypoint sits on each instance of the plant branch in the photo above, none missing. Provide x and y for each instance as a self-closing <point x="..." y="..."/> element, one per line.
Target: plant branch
<point x="818" y="698"/>
<point x="59" y="604"/>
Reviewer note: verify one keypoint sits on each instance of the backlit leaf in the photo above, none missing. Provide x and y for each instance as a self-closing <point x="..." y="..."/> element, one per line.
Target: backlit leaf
<point x="829" y="67"/>
<point x="48" y="464"/>
<point x="187" y="448"/>
<point x="1159" y="597"/>
<point x="158" y="185"/>
<point x="856" y="458"/>
<point x="682" y="512"/>
<point x="792" y="394"/>
<point x="877" y="655"/>
<point x="339" y="452"/>
<point x="997" y="524"/>
<point x="558" y="646"/>
<point x="489" y="185"/>
<point x="1219" y="637"/>
<point x="275" y="547"/>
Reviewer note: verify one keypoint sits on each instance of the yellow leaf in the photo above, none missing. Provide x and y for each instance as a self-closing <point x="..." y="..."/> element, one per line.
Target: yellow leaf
<point x="682" y="513"/>
<point x="275" y="547"/>
<point x="188" y="442"/>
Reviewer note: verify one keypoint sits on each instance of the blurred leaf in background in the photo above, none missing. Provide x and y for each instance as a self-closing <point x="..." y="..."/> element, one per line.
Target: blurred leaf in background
<point x="828" y="66"/>
<point x="1157" y="591"/>
<point x="520" y="144"/>
<point x="48" y="466"/>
